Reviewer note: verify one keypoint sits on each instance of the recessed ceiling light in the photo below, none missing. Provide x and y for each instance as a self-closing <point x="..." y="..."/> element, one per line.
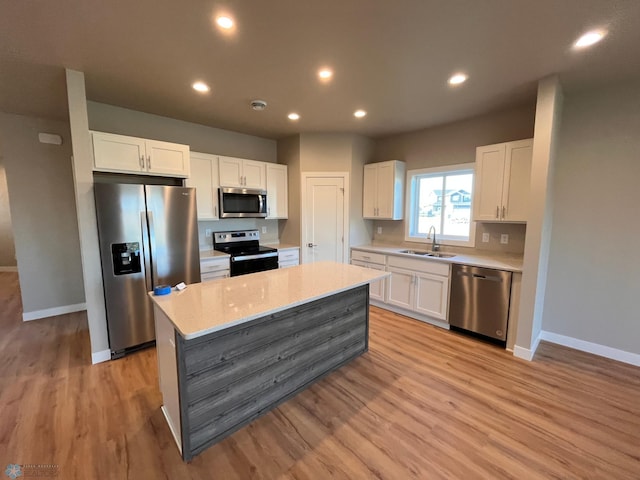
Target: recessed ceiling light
<point x="589" y="38"/>
<point x="293" y="116"/>
<point x="359" y="113"/>
<point x="457" y="79"/>
<point x="224" y="22"/>
<point x="201" y="87"/>
<point x="325" y="74"/>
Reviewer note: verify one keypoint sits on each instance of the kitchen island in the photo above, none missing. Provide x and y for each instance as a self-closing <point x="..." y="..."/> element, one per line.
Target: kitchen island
<point x="232" y="349"/>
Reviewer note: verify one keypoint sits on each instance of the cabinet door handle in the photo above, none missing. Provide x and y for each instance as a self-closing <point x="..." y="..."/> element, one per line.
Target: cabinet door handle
<point x="504" y="212"/>
<point x="497" y="211"/>
<point x="141" y="161"/>
<point x="149" y="162"/>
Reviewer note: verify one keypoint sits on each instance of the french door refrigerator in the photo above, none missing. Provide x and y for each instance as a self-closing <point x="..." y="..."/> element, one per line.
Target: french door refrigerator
<point x="148" y="237"/>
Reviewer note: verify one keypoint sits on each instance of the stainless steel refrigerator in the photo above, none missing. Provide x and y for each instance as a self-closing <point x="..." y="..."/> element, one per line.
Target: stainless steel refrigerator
<point x="148" y="237"/>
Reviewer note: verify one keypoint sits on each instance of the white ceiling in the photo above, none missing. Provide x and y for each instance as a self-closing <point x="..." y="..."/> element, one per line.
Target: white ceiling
<point x="391" y="58"/>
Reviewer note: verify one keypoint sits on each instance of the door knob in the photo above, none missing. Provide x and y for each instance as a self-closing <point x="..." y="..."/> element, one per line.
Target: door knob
<point x="311" y="245"/>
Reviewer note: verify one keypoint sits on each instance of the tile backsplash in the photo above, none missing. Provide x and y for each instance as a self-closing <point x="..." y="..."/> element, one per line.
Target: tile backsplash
<point x="229" y="224"/>
<point x="393" y="234"/>
<point x="516" y="232"/>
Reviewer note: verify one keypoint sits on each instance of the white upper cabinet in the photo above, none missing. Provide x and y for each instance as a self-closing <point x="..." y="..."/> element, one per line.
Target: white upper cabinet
<point x="204" y="178"/>
<point x="124" y="154"/>
<point x="238" y="172"/>
<point x="277" y="191"/>
<point x="382" y="193"/>
<point x="502" y="182"/>
<point x="169" y="159"/>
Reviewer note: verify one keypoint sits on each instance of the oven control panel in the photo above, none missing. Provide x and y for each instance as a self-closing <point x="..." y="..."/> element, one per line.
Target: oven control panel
<point x="239" y="236"/>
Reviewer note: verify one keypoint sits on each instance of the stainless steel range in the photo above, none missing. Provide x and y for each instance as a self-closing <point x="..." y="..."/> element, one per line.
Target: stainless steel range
<point x="247" y="255"/>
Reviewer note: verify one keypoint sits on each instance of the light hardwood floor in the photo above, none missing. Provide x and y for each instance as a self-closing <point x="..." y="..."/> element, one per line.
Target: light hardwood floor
<point x="422" y="403"/>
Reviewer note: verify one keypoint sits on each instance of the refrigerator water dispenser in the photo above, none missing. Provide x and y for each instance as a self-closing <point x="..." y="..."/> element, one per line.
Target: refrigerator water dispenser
<point x="126" y="258"/>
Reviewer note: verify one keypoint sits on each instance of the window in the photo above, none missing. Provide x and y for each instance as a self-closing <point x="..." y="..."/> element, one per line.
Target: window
<point x="441" y="197"/>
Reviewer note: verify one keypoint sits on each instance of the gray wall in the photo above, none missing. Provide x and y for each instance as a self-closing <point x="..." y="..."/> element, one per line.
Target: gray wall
<point x="107" y="118"/>
<point x="326" y="152"/>
<point x="360" y="230"/>
<point x="43" y="212"/>
<point x="7" y="248"/>
<point x="289" y="154"/>
<point x="454" y="144"/>
<point x="593" y="279"/>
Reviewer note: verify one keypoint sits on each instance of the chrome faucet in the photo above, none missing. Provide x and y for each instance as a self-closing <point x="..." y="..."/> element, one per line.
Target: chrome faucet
<point x="435" y="247"/>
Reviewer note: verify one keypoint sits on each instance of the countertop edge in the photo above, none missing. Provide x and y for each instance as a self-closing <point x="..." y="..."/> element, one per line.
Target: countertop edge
<point x="219" y="328"/>
<point x="464" y="259"/>
<point x="162" y="301"/>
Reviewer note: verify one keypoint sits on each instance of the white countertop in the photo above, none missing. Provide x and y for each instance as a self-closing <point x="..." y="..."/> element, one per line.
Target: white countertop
<point x="282" y="246"/>
<point x="509" y="262"/>
<point x="204" y="308"/>
<point x="212" y="253"/>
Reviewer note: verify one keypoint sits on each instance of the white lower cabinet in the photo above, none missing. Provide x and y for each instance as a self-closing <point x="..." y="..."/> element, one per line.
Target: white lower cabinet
<point x="421" y="286"/>
<point x="212" y="268"/>
<point x="418" y="288"/>
<point x="288" y="257"/>
<point x="432" y="295"/>
<point x="374" y="261"/>
<point x="400" y="288"/>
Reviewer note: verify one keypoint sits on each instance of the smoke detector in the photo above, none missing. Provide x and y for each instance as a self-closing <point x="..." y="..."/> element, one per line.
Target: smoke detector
<point x="258" y="105"/>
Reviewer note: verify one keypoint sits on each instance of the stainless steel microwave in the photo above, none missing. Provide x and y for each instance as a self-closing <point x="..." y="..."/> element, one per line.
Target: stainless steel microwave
<point x="242" y="202"/>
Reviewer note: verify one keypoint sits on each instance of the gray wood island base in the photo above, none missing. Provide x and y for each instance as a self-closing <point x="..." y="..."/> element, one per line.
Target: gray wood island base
<point x="216" y="380"/>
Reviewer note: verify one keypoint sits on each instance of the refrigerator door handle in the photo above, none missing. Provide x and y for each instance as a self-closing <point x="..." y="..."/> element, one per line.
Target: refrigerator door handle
<point x="146" y="251"/>
<point x="152" y="245"/>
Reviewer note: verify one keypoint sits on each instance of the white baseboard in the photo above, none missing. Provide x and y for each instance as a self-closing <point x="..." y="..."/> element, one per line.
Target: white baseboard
<point x="589" y="347"/>
<point x="52" y="312"/>
<point x="523" y="353"/>
<point x="8" y="269"/>
<point x="99" y="357"/>
<point x="526" y="353"/>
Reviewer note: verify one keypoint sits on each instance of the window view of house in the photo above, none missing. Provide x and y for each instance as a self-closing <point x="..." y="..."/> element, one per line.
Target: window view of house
<point x="442" y="200"/>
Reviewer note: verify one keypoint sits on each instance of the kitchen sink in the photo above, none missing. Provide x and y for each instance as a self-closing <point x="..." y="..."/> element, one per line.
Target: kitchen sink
<point x="428" y="254"/>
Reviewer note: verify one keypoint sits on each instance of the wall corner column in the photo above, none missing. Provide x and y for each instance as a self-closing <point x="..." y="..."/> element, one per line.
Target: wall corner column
<point x="538" y="237"/>
<point x="87" y="227"/>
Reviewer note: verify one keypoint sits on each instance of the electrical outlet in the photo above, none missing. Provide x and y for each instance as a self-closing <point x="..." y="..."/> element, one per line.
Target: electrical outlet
<point x="504" y="238"/>
<point x="379" y="230"/>
<point x="264" y="229"/>
<point x="207" y="233"/>
<point x="485" y="237"/>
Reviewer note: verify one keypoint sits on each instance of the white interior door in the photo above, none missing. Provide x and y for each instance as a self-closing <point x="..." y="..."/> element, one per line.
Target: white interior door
<point x="323" y="219"/>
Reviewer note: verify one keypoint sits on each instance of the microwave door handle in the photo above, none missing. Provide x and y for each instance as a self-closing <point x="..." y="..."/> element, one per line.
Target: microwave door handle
<point x="261" y="206"/>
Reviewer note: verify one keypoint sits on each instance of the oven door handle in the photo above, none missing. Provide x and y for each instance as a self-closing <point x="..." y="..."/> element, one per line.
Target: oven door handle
<point x="253" y="257"/>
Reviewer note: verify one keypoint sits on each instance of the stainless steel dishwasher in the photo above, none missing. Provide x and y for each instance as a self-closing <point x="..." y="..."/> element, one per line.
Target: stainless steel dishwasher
<point x="479" y="301"/>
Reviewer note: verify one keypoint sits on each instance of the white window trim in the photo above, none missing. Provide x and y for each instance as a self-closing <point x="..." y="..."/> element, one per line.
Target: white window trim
<point x="444" y="241"/>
